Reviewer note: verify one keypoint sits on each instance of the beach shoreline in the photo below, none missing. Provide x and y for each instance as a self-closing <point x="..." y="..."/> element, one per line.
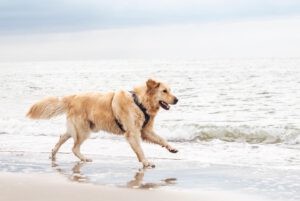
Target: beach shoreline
<point x="36" y="187"/>
<point x="114" y="175"/>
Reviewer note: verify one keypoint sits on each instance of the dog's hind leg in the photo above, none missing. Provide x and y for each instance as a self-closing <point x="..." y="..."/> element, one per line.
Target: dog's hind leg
<point x="79" y="134"/>
<point x="62" y="139"/>
<point x="76" y="150"/>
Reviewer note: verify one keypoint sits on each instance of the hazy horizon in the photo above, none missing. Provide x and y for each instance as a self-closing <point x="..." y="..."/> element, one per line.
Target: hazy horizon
<point x="95" y="30"/>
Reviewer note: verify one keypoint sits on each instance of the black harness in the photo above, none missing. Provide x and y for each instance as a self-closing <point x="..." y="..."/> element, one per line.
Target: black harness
<point x="142" y="108"/>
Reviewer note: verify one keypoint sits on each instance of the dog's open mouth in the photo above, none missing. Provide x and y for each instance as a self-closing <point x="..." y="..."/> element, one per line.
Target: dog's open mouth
<point x="164" y="105"/>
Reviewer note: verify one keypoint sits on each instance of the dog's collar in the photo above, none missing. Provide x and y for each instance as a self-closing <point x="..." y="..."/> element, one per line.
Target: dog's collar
<point x="142" y="108"/>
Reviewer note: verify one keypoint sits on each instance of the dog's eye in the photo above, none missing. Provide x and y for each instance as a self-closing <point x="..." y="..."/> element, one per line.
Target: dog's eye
<point x="165" y="91"/>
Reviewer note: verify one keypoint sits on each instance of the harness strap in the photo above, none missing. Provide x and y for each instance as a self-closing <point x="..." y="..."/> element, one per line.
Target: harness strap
<point x="120" y="125"/>
<point x="142" y="108"/>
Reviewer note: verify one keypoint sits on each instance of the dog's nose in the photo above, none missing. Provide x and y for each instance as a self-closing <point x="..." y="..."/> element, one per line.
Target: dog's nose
<point x="175" y="100"/>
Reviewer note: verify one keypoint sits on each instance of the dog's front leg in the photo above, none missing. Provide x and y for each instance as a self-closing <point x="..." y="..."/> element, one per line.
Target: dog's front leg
<point x="151" y="137"/>
<point x="133" y="139"/>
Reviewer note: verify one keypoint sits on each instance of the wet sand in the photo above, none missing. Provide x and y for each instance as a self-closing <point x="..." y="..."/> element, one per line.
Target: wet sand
<point x="51" y="187"/>
<point x="32" y="176"/>
<point x="37" y="187"/>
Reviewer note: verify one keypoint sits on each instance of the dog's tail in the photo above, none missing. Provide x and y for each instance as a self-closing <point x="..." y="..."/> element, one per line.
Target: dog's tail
<point x="47" y="108"/>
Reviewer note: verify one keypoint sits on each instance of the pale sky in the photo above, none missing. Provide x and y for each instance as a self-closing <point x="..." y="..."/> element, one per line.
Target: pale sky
<point x="159" y="29"/>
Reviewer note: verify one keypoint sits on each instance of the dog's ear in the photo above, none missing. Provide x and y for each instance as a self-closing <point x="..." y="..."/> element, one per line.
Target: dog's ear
<point x="152" y="84"/>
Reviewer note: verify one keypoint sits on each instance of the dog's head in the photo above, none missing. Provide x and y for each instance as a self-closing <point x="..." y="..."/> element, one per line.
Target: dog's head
<point x="161" y="94"/>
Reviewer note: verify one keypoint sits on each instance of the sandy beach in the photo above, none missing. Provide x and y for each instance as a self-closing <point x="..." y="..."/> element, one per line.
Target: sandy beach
<point x="37" y="187"/>
<point x="33" y="177"/>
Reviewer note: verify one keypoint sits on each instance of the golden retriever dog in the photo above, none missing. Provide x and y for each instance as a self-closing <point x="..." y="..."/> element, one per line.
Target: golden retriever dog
<point x="125" y="113"/>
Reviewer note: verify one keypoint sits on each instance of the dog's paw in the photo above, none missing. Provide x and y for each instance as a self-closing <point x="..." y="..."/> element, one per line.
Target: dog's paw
<point x="147" y="164"/>
<point x="172" y="150"/>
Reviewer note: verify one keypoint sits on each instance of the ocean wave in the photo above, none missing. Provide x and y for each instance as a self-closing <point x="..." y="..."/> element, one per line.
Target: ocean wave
<point x="244" y="133"/>
<point x="180" y="132"/>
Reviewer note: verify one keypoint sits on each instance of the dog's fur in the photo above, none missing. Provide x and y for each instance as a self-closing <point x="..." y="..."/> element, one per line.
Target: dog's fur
<point x="92" y="112"/>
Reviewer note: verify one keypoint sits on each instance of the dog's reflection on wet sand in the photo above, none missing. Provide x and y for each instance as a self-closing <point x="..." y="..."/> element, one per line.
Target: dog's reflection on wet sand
<point x="138" y="178"/>
<point x="75" y="173"/>
<point x="137" y="182"/>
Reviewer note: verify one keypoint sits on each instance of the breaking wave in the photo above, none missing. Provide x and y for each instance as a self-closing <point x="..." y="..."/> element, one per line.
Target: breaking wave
<point x="247" y="134"/>
<point x="181" y="132"/>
